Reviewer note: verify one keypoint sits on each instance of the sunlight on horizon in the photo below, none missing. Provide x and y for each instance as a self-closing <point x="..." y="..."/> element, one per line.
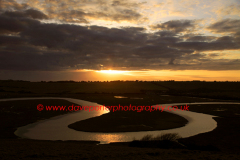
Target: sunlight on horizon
<point x="112" y="71"/>
<point x="186" y="75"/>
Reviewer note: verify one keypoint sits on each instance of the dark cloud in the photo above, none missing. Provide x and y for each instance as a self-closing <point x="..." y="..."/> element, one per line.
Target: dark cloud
<point x="208" y="46"/>
<point x="10" y="40"/>
<point x="175" y="25"/>
<point x="30" y="13"/>
<point x="83" y="17"/>
<point x="75" y="11"/>
<point x="125" y="3"/>
<point x="27" y="44"/>
<point x="199" y="38"/>
<point x="166" y="33"/>
<point x="13" y="24"/>
<point x="227" y="25"/>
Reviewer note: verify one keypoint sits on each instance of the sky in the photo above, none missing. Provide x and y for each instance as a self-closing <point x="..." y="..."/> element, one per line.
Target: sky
<point x="100" y="40"/>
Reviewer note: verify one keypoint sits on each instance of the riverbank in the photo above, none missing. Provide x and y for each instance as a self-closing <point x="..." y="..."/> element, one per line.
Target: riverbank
<point x="19" y="113"/>
<point x="226" y="136"/>
<point x="14" y="114"/>
<point x="130" y="121"/>
<point x="13" y="148"/>
<point x="227" y="121"/>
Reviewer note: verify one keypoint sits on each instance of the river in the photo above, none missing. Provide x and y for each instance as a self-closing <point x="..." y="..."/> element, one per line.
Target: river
<point x="56" y="128"/>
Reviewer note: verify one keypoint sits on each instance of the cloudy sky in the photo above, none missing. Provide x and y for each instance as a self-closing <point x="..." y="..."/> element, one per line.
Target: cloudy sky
<point x="120" y="39"/>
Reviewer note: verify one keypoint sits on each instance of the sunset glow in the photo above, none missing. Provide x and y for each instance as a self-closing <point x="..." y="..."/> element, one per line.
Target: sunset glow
<point x="112" y="71"/>
<point x="127" y="39"/>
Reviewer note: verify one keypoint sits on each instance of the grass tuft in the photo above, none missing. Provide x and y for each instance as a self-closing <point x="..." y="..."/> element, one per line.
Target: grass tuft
<point x="147" y="138"/>
<point x="162" y="137"/>
<point x="165" y="140"/>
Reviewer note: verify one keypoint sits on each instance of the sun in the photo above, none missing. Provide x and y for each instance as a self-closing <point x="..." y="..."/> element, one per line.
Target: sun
<point x="112" y="71"/>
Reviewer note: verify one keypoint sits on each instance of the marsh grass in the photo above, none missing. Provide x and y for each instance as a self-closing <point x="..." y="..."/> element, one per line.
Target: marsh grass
<point x="147" y="137"/>
<point x="165" y="140"/>
<point x="162" y="137"/>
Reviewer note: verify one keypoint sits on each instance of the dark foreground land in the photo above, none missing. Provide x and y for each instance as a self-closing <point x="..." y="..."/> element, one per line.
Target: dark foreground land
<point x="221" y="143"/>
<point x="32" y="149"/>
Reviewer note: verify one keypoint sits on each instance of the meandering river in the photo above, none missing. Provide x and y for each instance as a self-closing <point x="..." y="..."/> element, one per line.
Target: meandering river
<point x="56" y="128"/>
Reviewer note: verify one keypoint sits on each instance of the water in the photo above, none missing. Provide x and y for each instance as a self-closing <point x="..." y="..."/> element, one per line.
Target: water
<point x="56" y="128"/>
<point x="120" y="97"/>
